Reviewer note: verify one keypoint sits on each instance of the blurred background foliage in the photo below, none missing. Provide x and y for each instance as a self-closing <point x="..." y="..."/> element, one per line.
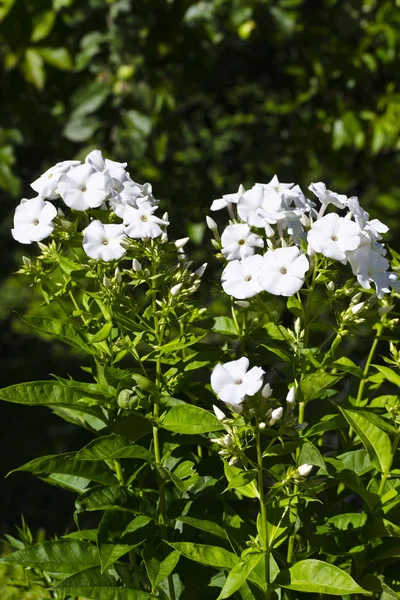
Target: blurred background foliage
<point x="197" y="97"/>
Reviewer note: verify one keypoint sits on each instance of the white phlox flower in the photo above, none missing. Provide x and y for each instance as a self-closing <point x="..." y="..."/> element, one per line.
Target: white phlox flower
<point x="372" y="228"/>
<point x="370" y="266"/>
<point x="238" y="242"/>
<point x="327" y="197"/>
<point x="260" y="200"/>
<point x="333" y="236"/>
<point x="140" y="221"/>
<point x="240" y="277"/>
<point x="227" y="199"/>
<point x="82" y="187"/>
<point x="46" y="185"/>
<point x="125" y="192"/>
<point x="98" y="163"/>
<point x="33" y="220"/>
<point x="232" y="381"/>
<point x="104" y="241"/>
<point x="283" y="270"/>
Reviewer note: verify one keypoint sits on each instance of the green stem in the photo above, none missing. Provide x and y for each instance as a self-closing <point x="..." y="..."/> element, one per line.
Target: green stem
<point x="292" y="539"/>
<point x="118" y="471"/>
<point x="379" y="331"/>
<point x="159" y="335"/>
<point x="263" y="510"/>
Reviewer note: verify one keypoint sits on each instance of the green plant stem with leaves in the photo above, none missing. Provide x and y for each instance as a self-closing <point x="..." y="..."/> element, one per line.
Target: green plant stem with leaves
<point x="379" y="331"/>
<point x="263" y="512"/>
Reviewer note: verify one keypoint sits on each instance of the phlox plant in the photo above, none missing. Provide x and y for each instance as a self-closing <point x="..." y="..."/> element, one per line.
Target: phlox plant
<point x="250" y="454"/>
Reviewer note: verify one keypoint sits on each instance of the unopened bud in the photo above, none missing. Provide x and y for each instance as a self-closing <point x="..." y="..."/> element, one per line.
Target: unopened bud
<point x="218" y="413"/>
<point x="330" y="286"/>
<point x="27" y="261"/>
<point x="297" y="326"/>
<point x="356" y="308"/>
<point x="164" y="237"/>
<point x="266" y="392"/>
<point x="233" y="461"/>
<point x="269" y="232"/>
<point x="106" y="282"/>
<point x="136" y="266"/>
<point x="304" y="470"/>
<point x="165" y="217"/>
<point x="276" y="415"/>
<point x="291" y="396"/>
<point x="211" y="224"/>
<point x="200" y="271"/>
<point x="262" y="425"/>
<point x="182" y="242"/>
<point x="227" y="440"/>
<point x="242" y="303"/>
<point x="175" y="289"/>
<point x="60" y="212"/>
<point x="117" y="274"/>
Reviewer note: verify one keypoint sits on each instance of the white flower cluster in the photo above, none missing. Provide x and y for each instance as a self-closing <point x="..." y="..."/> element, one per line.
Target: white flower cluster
<point x="97" y="183"/>
<point x="279" y="217"/>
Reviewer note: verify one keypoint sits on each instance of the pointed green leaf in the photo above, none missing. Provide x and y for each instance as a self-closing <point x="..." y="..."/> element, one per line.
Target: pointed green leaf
<point x="249" y="490"/>
<point x="204" y="525"/>
<point x="60" y="556"/>
<point x="166" y="567"/>
<point x="376" y="442"/>
<point x="318" y="577"/>
<point x="189" y="419"/>
<point x="64" y="332"/>
<point x="314" y="385"/>
<point x="211" y="556"/>
<point x="50" y="393"/>
<point x="102" y="498"/>
<point x="102" y="334"/>
<point x="113" y="446"/>
<point x="67" y="464"/>
<point x="116" y="584"/>
<point x="389" y="374"/>
<point x="239" y="574"/>
<point x="310" y="455"/>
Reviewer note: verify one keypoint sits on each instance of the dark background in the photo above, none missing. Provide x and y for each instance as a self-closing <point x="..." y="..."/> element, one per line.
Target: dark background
<point x="197" y="97"/>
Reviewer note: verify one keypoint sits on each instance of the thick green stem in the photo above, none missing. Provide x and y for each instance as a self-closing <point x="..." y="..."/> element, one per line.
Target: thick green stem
<point x="263" y="511"/>
<point x="379" y="331"/>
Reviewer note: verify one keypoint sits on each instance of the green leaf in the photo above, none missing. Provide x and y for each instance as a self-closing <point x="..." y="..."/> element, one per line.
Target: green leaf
<point x="113" y="446"/>
<point x="376" y="441"/>
<point x="89" y="98"/>
<point x="133" y="427"/>
<point x="204" y="525"/>
<point x="211" y="556"/>
<point x="116" y="584"/>
<point x="326" y="423"/>
<point x="102" y="334"/>
<point x="225" y="326"/>
<point x="310" y="455"/>
<point x="313" y="386"/>
<point x="68" y="464"/>
<point x="33" y="68"/>
<point x="42" y="393"/>
<point x="383" y="528"/>
<point x="43" y="24"/>
<point x="166" y="567"/>
<point x="352" y="481"/>
<point x="249" y="490"/>
<point x="344" y="522"/>
<point x="241" y="479"/>
<point x="357" y="461"/>
<point x="5" y="7"/>
<point x="57" y="57"/>
<point x="389" y="374"/>
<point x="190" y="420"/>
<point x="102" y="498"/>
<point x="318" y="577"/>
<point x="239" y="574"/>
<point x="60" y="556"/>
<point x="348" y="366"/>
<point x="61" y="331"/>
<point x="80" y="129"/>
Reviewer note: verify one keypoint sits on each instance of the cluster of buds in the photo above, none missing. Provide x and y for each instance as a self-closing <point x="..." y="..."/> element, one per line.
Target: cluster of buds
<point x="229" y="443"/>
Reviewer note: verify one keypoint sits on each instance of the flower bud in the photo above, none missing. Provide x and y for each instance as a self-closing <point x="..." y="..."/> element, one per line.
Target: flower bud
<point x="276" y="415"/>
<point x="269" y="232"/>
<point x="356" y="308"/>
<point x="242" y="303"/>
<point x="200" y="271"/>
<point x="136" y="266"/>
<point x="211" y="224"/>
<point x="175" y="289"/>
<point x="233" y="461"/>
<point x="291" y="396"/>
<point x="266" y="392"/>
<point x="330" y="286"/>
<point x="218" y="413"/>
<point x="297" y="326"/>
<point x="165" y="217"/>
<point x="117" y="274"/>
<point x="227" y="440"/>
<point x="27" y="261"/>
<point x="304" y="470"/>
<point x="262" y="425"/>
<point x="106" y="282"/>
<point x="181" y="242"/>
<point x="60" y="212"/>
